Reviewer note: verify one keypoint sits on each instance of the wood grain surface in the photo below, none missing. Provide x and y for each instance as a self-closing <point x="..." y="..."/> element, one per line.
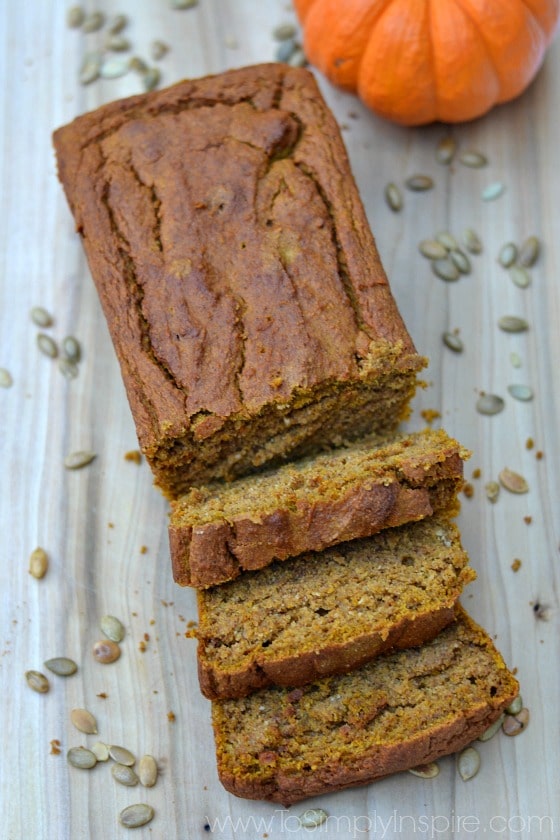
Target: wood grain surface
<point x="104" y="527"/>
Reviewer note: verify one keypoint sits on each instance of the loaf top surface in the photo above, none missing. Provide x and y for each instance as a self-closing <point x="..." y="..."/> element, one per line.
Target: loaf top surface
<point x="229" y="246"/>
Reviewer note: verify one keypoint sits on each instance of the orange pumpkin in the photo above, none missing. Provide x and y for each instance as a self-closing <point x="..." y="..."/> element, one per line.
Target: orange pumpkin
<point x="417" y="61"/>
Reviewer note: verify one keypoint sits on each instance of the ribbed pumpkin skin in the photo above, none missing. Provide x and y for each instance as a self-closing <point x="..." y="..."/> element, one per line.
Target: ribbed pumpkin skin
<point x="419" y="61"/>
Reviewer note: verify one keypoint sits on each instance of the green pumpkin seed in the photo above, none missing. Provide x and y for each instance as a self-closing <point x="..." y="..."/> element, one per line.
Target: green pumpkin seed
<point x="84" y="721"/>
<point x="47" y="345"/>
<point x="453" y="342"/>
<point x="513" y="324"/>
<point x="419" y="183"/>
<point x="77" y="460"/>
<point x="124" y="775"/>
<point x="116" y="43"/>
<point x="117" y="24"/>
<point x="61" y="666"/>
<point x="147" y="771"/>
<point x="81" y="758"/>
<point x="313" y="817"/>
<point x="492" y="491"/>
<point x="75" y="16"/>
<point x="432" y="250"/>
<point x="492" y="730"/>
<point x="100" y="751"/>
<point x="37" y="681"/>
<point x="473" y="159"/>
<point x="297" y="58"/>
<point x="112" y="628"/>
<point x="515" y="724"/>
<point x="138" y="65"/>
<point x="425" y="771"/>
<point x="508" y="254"/>
<point x="285" y="50"/>
<point x="121" y="755"/>
<point x="158" y="49"/>
<point x="460" y="261"/>
<point x="515" y="706"/>
<point x="151" y="78"/>
<point x="472" y="241"/>
<point x="71" y="349"/>
<point x="520" y="276"/>
<point x="41" y="317"/>
<point x="284" y="31"/>
<point x="393" y="197"/>
<point x="38" y="563"/>
<point x="90" y="68"/>
<point x="447" y="240"/>
<point x="512" y="481"/>
<point x="445" y="269"/>
<point x="524" y="393"/>
<point x="493" y="191"/>
<point x="6" y="380"/>
<point x="529" y="252"/>
<point x="114" y="68"/>
<point x="489" y="404"/>
<point x="135" y="816"/>
<point x="445" y="150"/>
<point x="93" y="22"/>
<point x="468" y="764"/>
<point x="68" y="369"/>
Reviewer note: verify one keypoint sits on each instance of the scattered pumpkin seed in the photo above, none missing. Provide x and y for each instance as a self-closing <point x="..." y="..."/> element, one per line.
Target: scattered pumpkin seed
<point x="473" y="159"/>
<point x="114" y="68"/>
<point x="493" y="191"/>
<point x="84" y="721"/>
<point x="158" y="49"/>
<point x="285" y="49"/>
<point x="520" y="276"/>
<point x="468" y="764"/>
<point x="121" y="755"/>
<point x="75" y="16"/>
<point x="529" y="252"/>
<point x="447" y="240"/>
<point x="513" y="324"/>
<point x="492" y="491"/>
<point x="117" y="24"/>
<point x="313" y="817"/>
<point x="71" y="349"/>
<point x="492" y="730"/>
<point x="106" y="651"/>
<point x="445" y="150"/>
<point x="508" y="254"/>
<point x="47" y="345"/>
<point x="489" y="404"/>
<point x="432" y="249"/>
<point x="515" y="724"/>
<point x="61" y="666"/>
<point x="425" y="771"/>
<point x="393" y="197"/>
<point x="524" y="393"/>
<point x="147" y="771"/>
<point x="137" y="64"/>
<point x="472" y="241"/>
<point x="419" y="183"/>
<point x="41" y="317"/>
<point x="100" y="751"/>
<point x="297" y="58"/>
<point x="283" y="32"/>
<point x="81" y="758"/>
<point x="512" y="481"/>
<point x="93" y="22"/>
<point x="453" y="342"/>
<point x="135" y="816"/>
<point x="77" y="460"/>
<point x="151" y="78"/>
<point x="91" y="66"/>
<point x="460" y="260"/>
<point x="515" y="706"/>
<point x="112" y="628"/>
<point x="124" y="775"/>
<point x="37" y="681"/>
<point x="116" y="43"/>
<point x="6" y="380"/>
<point x="38" y="563"/>
<point x="68" y="369"/>
<point x="445" y="269"/>
<point x="183" y="4"/>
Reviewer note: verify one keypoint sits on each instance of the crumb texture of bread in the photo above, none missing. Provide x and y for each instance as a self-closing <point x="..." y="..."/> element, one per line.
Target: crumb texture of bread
<point x="242" y="287"/>
<point x="399" y="711"/>
<point x="219" y="530"/>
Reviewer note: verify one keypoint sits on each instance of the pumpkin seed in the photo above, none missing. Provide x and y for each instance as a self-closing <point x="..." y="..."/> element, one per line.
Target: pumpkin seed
<point x="473" y="159"/>
<point x="313" y="817"/>
<point x="121" y="755"/>
<point x="147" y="771"/>
<point x="68" y="369"/>
<point x="515" y="706"/>
<point x="77" y="460"/>
<point x="297" y="58"/>
<point x="508" y="254"/>
<point x="84" y="721"/>
<point x="515" y="724"/>
<point x="520" y="276"/>
<point x="445" y="150"/>
<point x="393" y="197"/>
<point x="114" y="68"/>
<point x="493" y="191"/>
<point x="116" y="43"/>
<point x="138" y="65"/>
<point x="283" y="32"/>
<point x="529" y="252"/>
<point x="419" y="183"/>
<point x="472" y="241"/>
<point x="124" y="775"/>
<point x="6" y="380"/>
<point x="106" y="651"/>
<point x="93" y="22"/>
<point x="426" y="771"/>
<point x="445" y="269"/>
<point x="75" y="16"/>
<point x="100" y="751"/>
<point x="112" y="628"/>
<point x="71" y="349"/>
<point x="492" y="730"/>
<point x="91" y="65"/>
<point x="512" y="481"/>
<point x="432" y="250"/>
<point x="492" y="491"/>
<point x="489" y="404"/>
<point x="61" y="666"/>
<point x="41" y="317"/>
<point x="453" y="342"/>
<point x="524" y="393"/>
<point x="151" y="78"/>
<point x="468" y="764"/>
<point x="117" y="24"/>
<point x="447" y="240"/>
<point x="285" y="50"/>
<point x="37" y="681"/>
<point x="38" y="563"/>
<point x="460" y="260"/>
<point x="81" y="758"/>
<point x="513" y="324"/>
<point x="158" y="50"/>
<point x="183" y="4"/>
<point x="136" y="815"/>
<point x="47" y="345"/>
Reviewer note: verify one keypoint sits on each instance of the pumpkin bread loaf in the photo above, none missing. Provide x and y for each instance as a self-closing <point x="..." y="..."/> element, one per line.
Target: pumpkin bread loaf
<point x="242" y="287"/>
<point x="398" y="711"/>
<point x="218" y="531"/>
<point x="331" y="611"/>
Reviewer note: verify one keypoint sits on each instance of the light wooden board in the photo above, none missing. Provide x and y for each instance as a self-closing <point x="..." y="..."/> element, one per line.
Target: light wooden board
<point x="93" y="523"/>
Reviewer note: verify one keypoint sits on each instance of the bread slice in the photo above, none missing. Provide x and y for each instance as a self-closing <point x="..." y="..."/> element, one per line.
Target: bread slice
<point x="325" y="613"/>
<point x="217" y="531"/>
<point x="399" y="711"/>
